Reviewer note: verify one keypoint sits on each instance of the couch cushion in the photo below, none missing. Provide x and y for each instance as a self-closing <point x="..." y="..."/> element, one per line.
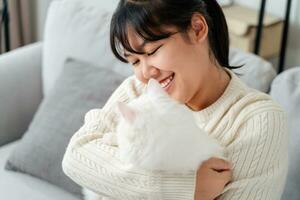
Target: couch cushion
<point x="285" y="90"/>
<point x="78" y="29"/>
<point x="78" y="89"/>
<point x="257" y="72"/>
<point x="20" y="81"/>
<point x="16" y="186"/>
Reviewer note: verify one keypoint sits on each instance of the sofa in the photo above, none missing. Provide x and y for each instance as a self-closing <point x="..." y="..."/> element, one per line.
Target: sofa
<point x="74" y="58"/>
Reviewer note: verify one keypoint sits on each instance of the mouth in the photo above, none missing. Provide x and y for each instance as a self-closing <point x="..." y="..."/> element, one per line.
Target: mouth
<point x="167" y="82"/>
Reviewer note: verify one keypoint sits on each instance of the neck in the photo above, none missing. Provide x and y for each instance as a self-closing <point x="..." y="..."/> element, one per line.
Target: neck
<point x="213" y="90"/>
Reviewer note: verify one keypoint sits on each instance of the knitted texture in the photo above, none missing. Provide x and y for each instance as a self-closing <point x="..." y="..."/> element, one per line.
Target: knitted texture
<point x="248" y="123"/>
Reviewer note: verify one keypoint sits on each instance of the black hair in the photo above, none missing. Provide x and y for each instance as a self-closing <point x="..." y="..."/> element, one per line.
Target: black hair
<point x="149" y="17"/>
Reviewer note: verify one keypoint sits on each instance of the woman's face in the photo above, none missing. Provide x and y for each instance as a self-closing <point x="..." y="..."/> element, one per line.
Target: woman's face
<point x="181" y="65"/>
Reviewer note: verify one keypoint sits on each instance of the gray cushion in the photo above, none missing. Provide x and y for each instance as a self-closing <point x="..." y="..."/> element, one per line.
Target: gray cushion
<point x="285" y="90"/>
<point x="79" y="88"/>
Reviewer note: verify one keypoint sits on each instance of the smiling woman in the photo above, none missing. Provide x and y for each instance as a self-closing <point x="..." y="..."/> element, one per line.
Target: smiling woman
<point x="158" y="41"/>
<point x="183" y="44"/>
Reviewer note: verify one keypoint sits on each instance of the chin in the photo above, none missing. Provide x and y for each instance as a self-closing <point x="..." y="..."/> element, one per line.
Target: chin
<point x="177" y="98"/>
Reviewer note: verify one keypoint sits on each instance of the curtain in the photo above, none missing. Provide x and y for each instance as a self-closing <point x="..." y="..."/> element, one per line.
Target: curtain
<point x="2" y="24"/>
<point x="21" y="23"/>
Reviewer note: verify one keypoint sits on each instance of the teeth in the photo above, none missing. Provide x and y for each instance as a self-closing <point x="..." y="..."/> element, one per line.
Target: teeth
<point x="167" y="81"/>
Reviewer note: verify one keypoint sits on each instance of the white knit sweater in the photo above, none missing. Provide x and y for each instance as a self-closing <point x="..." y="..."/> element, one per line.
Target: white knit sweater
<point x="248" y="123"/>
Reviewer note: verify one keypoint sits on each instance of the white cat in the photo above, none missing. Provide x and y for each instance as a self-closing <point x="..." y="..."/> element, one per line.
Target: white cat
<point x="156" y="132"/>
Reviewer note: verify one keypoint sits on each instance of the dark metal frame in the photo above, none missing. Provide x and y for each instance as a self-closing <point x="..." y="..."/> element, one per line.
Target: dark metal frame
<point x="5" y="25"/>
<point x="284" y="33"/>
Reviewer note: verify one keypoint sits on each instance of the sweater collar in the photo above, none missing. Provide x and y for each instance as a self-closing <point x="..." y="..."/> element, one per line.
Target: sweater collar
<point x="232" y="91"/>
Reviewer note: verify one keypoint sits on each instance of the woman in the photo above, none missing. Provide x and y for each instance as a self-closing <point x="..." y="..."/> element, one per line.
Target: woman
<point x="185" y="46"/>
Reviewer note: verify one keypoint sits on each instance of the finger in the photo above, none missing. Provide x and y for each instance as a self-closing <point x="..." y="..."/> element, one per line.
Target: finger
<point x="226" y="176"/>
<point x="219" y="164"/>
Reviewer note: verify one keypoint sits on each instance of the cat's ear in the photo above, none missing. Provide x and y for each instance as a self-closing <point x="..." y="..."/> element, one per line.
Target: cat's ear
<point x="154" y="88"/>
<point x="126" y="112"/>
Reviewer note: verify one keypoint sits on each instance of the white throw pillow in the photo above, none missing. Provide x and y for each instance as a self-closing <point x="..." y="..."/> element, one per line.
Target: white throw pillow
<point x="257" y="72"/>
<point x="78" y="29"/>
<point x="286" y="91"/>
<point x="225" y="2"/>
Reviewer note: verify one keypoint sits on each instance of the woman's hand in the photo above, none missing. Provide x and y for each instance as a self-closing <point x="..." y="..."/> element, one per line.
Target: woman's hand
<point x="212" y="177"/>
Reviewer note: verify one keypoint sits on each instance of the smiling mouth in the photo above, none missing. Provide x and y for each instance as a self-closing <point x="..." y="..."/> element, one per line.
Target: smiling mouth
<point x="167" y="82"/>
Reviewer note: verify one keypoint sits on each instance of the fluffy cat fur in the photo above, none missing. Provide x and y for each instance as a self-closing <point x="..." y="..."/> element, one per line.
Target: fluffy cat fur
<point x="156" y="132"/>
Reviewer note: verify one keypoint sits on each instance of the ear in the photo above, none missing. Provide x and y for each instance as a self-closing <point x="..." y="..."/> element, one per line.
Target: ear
<point x="199" y="27"/>
<point x="155" y="89"/>
<point x="126" y="112"/>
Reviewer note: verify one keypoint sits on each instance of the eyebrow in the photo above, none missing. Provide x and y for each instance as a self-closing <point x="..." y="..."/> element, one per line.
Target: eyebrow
<point x="142" y="46"/>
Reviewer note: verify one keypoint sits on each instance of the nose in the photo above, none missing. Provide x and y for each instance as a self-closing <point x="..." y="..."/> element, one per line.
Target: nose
<point x="149" y="71"/>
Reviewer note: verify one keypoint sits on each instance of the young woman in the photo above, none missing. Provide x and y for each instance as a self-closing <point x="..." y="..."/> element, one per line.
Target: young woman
<point x="184" y="45"/>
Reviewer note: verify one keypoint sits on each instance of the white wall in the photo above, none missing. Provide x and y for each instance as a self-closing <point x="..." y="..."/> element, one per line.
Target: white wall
<point x="275" y="7"/>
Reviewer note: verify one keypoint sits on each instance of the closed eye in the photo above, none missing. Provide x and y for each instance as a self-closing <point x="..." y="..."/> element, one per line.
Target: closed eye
<point x="150" y="54"/>
<point x="136" y="62"/>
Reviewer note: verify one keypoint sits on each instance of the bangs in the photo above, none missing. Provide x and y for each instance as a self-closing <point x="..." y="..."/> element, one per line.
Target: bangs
<point x="141" y="19"/>
<point x="150" y="19"/>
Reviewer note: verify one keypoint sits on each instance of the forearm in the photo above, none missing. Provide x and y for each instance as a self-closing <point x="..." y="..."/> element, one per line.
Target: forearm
<point x="97" y="166"/>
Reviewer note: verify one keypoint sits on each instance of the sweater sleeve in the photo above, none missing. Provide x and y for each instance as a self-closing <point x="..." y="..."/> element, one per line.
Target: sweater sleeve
<point x="94" y="164"/>
<point x="260" y="157"/>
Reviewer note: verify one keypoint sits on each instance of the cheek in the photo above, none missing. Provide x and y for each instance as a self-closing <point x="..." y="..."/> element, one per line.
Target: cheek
<point x="188" y="81"/>
<point x="175" y="61"/>
<point x="182" y="90"/>
<point x="167" y="59"/>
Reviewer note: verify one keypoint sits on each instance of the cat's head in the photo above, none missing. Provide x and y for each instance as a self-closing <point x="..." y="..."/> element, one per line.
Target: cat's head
<point x="153" y="107"/>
